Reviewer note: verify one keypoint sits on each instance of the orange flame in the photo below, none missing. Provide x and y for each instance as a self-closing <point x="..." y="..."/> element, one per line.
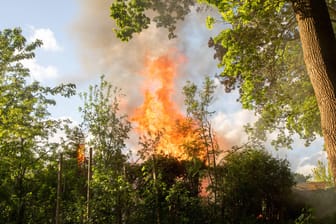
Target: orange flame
<point x="159" y="114"/>
<point x="80" y="154"/>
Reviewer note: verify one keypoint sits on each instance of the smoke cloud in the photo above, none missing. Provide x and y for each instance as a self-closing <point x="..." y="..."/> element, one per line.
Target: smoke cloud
<point x="101" y="52"/>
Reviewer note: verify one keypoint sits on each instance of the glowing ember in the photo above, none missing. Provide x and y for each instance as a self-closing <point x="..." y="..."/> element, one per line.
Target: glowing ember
<point x="159" y="114"/>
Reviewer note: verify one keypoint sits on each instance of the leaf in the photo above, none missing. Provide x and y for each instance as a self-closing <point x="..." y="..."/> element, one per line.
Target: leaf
<point x="210" y="21"/>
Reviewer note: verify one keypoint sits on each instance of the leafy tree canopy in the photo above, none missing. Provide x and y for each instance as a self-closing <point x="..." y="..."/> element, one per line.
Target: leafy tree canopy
<point x="132" y="16"/>
<point x="255" y="184"/>
<point x="25" y="127"/>
<point x="108" y="130"/>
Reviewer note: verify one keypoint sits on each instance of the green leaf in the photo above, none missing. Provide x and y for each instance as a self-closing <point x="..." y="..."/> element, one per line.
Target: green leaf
<point x="210" y="21"/>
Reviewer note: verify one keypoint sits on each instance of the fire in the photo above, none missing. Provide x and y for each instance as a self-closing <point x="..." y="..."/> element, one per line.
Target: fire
<point x="159" y="114"/>
<point x="80" y="154"/>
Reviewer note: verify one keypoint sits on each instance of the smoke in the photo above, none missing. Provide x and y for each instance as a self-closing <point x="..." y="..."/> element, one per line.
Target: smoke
<point x="320" y="198"/>
<point x="101" y="52"/>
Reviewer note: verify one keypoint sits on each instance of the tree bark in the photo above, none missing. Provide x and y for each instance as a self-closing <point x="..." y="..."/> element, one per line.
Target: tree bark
<point x="319" y="49"/>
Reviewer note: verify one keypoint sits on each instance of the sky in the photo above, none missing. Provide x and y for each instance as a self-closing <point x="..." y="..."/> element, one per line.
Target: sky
<point x="79" y="46"/>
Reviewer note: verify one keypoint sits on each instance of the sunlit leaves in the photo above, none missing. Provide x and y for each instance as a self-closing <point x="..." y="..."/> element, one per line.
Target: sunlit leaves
<point x="210" y="21"/>
<point x="108" y="130"/>
<point x="263" y="59"/>
<point x="322" y="173"/>
<point x="102" y="119"/>
<point x="133" y="16"/>
<point x="25" y="127"/>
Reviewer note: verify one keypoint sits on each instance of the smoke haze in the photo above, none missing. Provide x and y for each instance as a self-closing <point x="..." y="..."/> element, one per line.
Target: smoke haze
<point x="101" y="52"/>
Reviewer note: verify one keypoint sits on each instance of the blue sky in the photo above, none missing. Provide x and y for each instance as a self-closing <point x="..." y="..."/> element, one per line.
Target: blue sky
<point x="49" y="21"/>
<point x="80" y="46"/>
<point x="37" y="14"/>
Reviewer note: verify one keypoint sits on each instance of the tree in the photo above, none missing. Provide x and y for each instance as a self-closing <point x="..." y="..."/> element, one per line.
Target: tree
<point x="25" y="129"/>
<point x="319" y="49"/>
<point x="197" y="103"/>
<point x="255" y="185"/>
<point x="168" y="188"/>
<point x="259" y="54"/>
<point x="166" y="192"/>
<point x="131" y="15"/>
<point x="108" y="131"/>
<point x="74" y="176"/>
<point x="322" y="173"/>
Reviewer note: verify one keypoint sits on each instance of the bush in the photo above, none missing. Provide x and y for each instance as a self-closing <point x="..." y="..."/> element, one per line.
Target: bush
<point x="255" y="187"/>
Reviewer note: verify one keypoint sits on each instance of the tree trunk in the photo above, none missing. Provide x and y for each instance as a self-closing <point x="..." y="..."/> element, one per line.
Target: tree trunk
<point x="88" y="190"/>
<point x="59" y="189"/>
<point x="319" y="49"/>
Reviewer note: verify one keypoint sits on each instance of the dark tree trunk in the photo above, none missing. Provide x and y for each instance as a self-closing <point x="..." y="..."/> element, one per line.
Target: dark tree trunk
<point x="319" y="49"/>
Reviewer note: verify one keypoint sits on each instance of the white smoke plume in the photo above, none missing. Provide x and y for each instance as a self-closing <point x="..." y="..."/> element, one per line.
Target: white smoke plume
<point x="102" y="53"/>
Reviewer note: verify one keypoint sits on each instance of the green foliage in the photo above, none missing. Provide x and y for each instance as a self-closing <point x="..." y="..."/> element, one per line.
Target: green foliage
<point x="210" y="21"/>
<point x="160" y="189"/>
<point x="107" y="127"/>
<point x="168" y="193"/>
<point x="198" y="101"/>
<point x="254" y="184"/>
<point x="108" y="131"/>
<point x="74" y="175"/>
<point x="260" y="54"/>
<point x="262" y="58"/>
<point x="305" y="218"/>
<point x="26" y="187"/>
<point x="322" y="173"/>
<point x="131" y="16"/>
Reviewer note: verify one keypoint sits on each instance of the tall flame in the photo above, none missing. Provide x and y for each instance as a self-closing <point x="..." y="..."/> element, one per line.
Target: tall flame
<point x="159" y="114"/>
